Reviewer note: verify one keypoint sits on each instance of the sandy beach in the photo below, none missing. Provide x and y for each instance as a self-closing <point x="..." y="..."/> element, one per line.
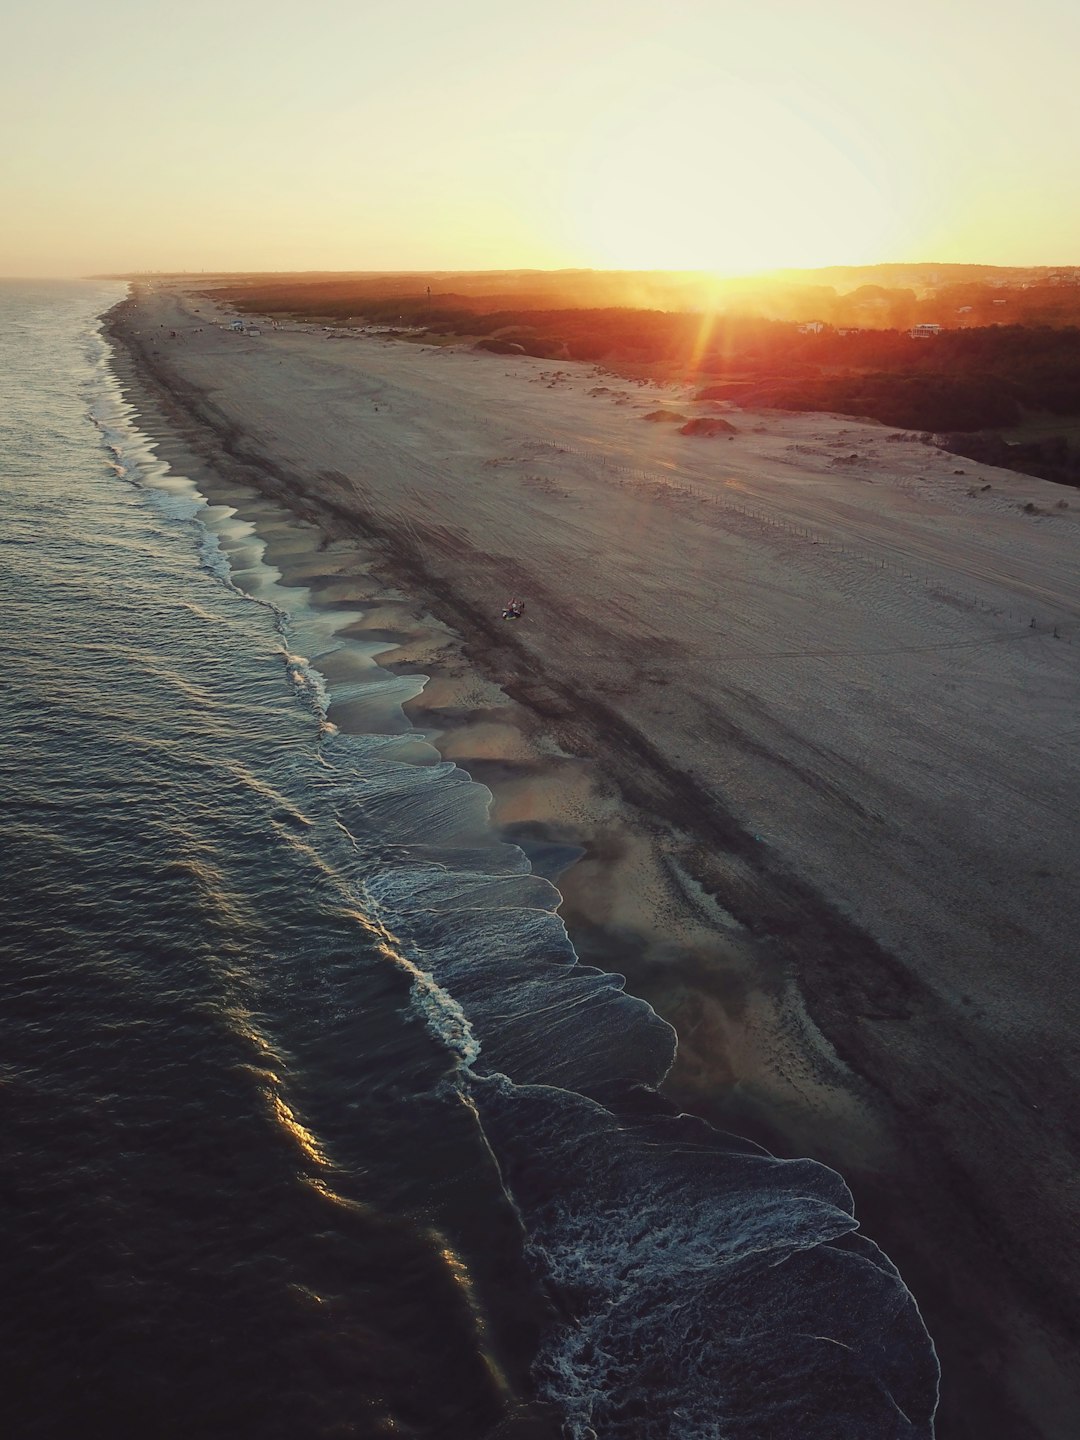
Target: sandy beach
<point x="790" y="714"/>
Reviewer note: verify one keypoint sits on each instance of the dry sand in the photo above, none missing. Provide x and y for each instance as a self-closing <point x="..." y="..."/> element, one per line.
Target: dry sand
<point x="806" y="699"/>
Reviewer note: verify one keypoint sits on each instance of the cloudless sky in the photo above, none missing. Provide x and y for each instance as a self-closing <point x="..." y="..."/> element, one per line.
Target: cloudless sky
<point x="727" y="135"/>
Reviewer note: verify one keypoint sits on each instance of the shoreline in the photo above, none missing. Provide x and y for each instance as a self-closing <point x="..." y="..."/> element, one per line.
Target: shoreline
<point x="614" y="854"/>
<point x="768" y="982"/>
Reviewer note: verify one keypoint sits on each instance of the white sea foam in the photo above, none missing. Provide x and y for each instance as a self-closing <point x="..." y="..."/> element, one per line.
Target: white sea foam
<point x="310" y="682"/>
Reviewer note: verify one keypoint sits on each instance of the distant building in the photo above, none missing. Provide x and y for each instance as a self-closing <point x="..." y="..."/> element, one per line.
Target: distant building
<point x="812" y="327"/>
<point x="236" y="325"/>
<point x="924" y="331"/>
<point x="965" y="310"/>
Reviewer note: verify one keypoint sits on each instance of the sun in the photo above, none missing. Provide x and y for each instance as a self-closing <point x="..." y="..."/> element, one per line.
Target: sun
<point x="726" y="178"/>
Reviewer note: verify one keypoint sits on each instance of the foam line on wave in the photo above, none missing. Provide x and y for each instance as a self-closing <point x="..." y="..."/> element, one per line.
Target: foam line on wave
<point x="710" y="1290"/>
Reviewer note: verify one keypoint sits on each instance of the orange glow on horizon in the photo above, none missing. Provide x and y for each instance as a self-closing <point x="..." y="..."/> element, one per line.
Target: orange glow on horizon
<point x="733" y="139"/>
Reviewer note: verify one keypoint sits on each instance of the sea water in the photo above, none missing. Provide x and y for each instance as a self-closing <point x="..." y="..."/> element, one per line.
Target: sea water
<point x="313" y="1125"/>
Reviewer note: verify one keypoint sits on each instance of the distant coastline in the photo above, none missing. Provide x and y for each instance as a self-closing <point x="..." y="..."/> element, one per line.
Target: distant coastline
<point x="985" y="360"/>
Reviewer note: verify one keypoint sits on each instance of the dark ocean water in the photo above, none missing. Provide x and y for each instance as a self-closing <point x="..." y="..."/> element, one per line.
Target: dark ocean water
<point x="312" y="1125"/>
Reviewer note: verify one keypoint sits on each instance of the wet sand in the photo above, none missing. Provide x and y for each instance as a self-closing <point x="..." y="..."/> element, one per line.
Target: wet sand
<point x="788" y="716"/>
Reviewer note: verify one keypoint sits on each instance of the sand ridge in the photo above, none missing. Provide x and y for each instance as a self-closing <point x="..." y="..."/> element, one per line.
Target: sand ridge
<point x="827" y="683"/>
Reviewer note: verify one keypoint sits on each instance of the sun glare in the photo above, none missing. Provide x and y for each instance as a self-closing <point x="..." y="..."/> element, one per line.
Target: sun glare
<point x="730" y="180"/>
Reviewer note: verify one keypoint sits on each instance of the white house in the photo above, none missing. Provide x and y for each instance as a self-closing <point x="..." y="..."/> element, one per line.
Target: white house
<point x="924" y="331"/>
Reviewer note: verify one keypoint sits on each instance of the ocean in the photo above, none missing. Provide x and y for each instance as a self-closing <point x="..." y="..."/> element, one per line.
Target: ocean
<point x="313" y="1124"/>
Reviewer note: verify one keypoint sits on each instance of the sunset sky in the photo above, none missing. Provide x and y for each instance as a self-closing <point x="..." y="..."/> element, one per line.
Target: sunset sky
<point x="703" y="134"/>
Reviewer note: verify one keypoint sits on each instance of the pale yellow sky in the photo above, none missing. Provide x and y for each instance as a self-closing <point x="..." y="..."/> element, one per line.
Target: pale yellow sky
<point x="726" y="135"/>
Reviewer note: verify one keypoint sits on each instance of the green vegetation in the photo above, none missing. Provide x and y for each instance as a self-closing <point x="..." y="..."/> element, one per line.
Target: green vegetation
<point x="971" y="380"/>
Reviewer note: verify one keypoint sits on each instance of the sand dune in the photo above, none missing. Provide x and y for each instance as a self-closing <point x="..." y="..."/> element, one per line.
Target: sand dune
<point x="808" y="697"/>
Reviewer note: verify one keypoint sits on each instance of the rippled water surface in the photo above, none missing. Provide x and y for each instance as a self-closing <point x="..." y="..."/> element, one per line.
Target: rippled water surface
<point x="235" y="1189"/>
<point x="313" y="1126"/>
